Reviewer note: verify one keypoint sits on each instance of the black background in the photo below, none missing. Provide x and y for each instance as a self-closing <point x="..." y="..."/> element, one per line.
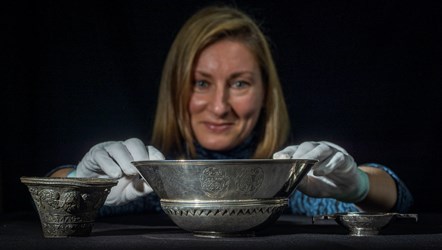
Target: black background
<point x="363" y="74"/>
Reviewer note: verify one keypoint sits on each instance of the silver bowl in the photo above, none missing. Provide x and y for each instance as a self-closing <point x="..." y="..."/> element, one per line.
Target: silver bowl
<point x="219" y="198"/>
<point x="67" y="206"/>
<point x="364" y="223"/>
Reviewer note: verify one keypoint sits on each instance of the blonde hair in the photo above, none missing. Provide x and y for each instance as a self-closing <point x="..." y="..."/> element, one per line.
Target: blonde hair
<point x="172" y="133"/>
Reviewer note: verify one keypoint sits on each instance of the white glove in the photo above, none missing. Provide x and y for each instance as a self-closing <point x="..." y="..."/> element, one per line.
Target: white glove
<point x="113" y="160"/>
<point x="336" y="175"/>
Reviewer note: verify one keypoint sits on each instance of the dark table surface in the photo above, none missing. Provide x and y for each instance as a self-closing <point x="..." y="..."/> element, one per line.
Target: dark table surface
<point x="157" y="231"/>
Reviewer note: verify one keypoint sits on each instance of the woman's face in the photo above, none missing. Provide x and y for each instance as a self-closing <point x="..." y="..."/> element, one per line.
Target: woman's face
<point x="227" y="97"/>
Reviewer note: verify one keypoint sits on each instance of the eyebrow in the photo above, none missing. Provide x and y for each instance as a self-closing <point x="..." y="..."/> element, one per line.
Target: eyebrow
<point x="232" y="76"/>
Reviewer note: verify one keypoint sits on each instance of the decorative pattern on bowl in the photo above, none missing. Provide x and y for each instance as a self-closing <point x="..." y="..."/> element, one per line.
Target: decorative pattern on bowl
<point x="67" y="206"/>
<point x="220" y="218"/>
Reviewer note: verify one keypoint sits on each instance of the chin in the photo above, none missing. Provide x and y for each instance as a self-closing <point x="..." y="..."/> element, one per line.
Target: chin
<point x="217" y="146"/>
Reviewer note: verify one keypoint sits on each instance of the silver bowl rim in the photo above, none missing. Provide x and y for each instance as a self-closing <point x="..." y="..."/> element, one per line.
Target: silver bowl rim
<point x="205" y="162"/>
<point x="65" y="181"/>
<point x="372" y="215"/>
<point x="365" y="214"/>
<point x="225" y="202"/>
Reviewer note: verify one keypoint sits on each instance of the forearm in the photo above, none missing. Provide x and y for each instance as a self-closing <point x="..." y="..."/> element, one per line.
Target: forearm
<point x="382" y="194"/>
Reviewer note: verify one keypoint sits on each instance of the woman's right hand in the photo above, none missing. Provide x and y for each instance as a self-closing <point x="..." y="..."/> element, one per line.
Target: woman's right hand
<point x="113" y="160"/>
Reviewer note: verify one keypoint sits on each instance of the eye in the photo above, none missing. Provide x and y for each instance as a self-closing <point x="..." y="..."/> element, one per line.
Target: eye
<point x="201" y="85"/>
<point x="240" y="84"/>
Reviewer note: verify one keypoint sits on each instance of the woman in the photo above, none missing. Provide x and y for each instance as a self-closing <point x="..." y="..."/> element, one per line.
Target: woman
<point x="220" y="97"/>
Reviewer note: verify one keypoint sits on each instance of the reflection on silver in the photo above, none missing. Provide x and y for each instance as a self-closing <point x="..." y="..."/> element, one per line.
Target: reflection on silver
<point x="362" y="223"/>
<point x="219" y="198"/>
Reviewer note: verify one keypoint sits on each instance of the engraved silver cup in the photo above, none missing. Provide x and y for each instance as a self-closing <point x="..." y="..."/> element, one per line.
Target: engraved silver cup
<point x="67" y="206"/>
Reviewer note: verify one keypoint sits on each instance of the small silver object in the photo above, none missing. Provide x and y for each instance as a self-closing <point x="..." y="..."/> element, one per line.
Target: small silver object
<point x="364" y="223"/>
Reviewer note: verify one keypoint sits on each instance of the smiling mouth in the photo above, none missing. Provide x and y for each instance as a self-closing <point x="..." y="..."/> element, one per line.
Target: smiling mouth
<point x="218" y="127"/>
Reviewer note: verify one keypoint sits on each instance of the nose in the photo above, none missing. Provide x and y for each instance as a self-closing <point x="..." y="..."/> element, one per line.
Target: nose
<point x="219" y="103"/>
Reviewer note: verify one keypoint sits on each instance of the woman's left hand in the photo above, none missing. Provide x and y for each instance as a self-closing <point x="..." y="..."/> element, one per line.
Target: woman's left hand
<point x="336" y="175"/>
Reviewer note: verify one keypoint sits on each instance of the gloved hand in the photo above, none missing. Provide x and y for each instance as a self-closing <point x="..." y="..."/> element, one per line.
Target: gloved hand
<point x="336" y="175"/>
<point x="113" y="160"/>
